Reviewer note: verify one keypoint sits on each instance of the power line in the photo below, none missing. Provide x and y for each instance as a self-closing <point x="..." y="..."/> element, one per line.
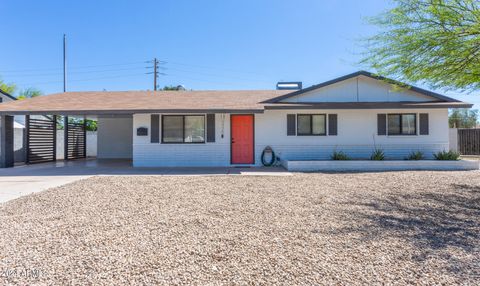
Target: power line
<point x="12" y="72"/>
<point x="79" y="80"/>
<point x="78" y="72"/>
<point x="73" y="67"/>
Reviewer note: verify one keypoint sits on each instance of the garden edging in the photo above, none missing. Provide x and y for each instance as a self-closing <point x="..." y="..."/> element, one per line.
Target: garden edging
<point x="367" y="165"/>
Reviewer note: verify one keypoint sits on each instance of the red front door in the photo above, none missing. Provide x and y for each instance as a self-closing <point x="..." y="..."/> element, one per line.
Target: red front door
<point x="242" y="139"/>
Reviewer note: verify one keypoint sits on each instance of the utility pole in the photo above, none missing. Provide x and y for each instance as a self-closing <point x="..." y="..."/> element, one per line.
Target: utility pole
<point x="156" y="73"/>
<point x="64" y="63"/>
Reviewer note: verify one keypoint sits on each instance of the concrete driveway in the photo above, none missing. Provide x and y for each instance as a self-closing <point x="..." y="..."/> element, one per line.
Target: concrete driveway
<point x="27" y="179"/>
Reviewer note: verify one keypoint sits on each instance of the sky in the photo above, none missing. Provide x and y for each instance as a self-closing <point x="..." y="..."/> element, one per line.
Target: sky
<point x="209" y="44"/>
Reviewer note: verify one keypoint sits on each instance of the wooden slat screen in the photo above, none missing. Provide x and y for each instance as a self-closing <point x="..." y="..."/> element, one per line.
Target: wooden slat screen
<point x="77" y="141"/>
<point x="41" y="139"/>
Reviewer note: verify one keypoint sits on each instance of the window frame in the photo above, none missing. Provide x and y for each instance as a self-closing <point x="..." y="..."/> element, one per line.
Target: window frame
<point x="311" y="124"/>
<point x="183" y="128"/>
<point x="401" y="125"/>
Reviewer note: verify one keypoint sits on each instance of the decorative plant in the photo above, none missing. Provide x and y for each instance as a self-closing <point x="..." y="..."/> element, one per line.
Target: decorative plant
<point x="447" y="155"/>
<point x="340" y="156"/>
<point x="415" y="155"/>
<point x="377" y="155"/>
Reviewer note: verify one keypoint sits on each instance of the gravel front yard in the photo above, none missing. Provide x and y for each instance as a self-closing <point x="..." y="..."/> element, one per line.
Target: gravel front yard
<point x="373" y="228"/>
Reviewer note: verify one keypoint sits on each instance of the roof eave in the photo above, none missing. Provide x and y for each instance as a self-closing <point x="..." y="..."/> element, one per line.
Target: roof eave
<point x="127" y="112"/>
<point x="370" y="105"/>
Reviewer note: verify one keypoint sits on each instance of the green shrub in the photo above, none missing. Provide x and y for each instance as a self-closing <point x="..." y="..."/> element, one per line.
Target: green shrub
<point x="447" y="155"/>
<point x="415" y="155"/>
<point x="340" y="155"/>
<point x="378" y="155"/>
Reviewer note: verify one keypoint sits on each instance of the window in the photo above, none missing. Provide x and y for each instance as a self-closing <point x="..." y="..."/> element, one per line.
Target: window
<point x="183" y="129"/>
<point x="402" y="124"/>
<point x="311" y="124"/>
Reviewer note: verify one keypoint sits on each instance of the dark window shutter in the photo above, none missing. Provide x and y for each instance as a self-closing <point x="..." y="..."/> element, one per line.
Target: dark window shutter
<point x="382" y="124"/>
<point x="210" y="127"/>
<point x="291" y="125"/>
<point x="423" y="123"/>
<point x="332" y="124"/>
<point x="155" y="127"/>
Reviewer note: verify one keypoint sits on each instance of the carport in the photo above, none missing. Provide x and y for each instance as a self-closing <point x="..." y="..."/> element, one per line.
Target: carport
<point x="44" y="140"/>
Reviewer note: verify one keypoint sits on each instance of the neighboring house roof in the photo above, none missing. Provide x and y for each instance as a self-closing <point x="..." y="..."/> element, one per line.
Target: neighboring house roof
<point x="367" y="74"/>
<point x="8" y="95"/>
<point x="207" y="101"/>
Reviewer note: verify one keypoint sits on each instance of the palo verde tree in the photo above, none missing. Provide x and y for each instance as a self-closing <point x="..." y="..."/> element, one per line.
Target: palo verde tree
<point x="435" y="42"/>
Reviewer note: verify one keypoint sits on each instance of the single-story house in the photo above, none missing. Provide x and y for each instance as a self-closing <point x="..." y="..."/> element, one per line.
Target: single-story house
<point x="355" y="114"/>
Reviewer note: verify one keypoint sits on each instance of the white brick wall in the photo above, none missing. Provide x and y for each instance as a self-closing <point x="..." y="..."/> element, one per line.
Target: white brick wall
<point x="356" y="134"/>
<point x="146" y="154"/>
<point x="324" y="152"/>
<point x="181" y="155"/>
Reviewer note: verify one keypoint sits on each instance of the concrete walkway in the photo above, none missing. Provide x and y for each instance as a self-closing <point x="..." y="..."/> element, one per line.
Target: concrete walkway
<point x="27" y="179"/>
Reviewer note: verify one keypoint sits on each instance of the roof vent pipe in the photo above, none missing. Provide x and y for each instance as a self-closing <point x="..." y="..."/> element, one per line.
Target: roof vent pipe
<point x="289" y="85"/>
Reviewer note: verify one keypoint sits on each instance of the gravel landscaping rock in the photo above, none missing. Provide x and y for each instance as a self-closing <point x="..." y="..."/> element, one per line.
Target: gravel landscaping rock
<point x="343" y="229"/>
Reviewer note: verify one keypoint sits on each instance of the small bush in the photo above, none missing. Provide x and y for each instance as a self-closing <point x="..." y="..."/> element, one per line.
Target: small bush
<point x="340" y="155"/>
<point x="447" y="155"/>
<point x="378" y="155"/>
<point x="415" y="155"/>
